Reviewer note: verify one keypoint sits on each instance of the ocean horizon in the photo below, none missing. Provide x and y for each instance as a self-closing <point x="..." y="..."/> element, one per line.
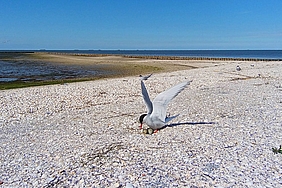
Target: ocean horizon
<point x="255" y="54"/>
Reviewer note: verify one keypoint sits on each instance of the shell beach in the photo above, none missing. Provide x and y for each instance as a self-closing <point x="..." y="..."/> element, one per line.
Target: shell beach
<point x="86" y="134"/>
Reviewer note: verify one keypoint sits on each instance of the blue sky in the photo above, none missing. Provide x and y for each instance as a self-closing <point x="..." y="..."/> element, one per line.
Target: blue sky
<point x="140" y="24"/>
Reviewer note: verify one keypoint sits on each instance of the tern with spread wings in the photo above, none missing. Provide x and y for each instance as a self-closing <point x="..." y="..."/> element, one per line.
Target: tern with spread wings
<point x="156" y="116"/>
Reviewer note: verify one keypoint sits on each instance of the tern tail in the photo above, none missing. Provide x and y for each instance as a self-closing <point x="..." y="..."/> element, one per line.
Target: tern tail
<point x="167" y="119"/>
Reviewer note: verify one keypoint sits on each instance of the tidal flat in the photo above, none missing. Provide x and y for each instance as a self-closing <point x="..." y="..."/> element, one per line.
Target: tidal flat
<point x="34" y="69"/>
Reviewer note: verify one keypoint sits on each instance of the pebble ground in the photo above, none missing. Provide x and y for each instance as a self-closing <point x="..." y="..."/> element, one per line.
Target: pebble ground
<point x="86" y="134"/>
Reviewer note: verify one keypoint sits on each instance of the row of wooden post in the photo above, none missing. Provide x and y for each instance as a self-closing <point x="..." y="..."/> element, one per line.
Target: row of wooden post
<point x="169" y="57"/>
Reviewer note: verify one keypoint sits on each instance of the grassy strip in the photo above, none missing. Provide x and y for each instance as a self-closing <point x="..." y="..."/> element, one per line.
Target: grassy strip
<point x="20" y="84"/>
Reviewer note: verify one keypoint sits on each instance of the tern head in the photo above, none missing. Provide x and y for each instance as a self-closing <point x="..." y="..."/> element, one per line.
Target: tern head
<point x="141" y="118"/>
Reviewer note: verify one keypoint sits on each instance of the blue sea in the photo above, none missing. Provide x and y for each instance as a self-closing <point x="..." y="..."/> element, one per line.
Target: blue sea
<point x="256" y="54"/>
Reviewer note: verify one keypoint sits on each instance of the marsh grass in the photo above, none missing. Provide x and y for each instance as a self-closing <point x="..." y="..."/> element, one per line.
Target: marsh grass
<point x="21" y="84"/>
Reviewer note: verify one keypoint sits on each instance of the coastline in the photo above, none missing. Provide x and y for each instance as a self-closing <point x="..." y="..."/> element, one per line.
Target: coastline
<point x="53" y="68"/>
<point x="167" y="57"/>
<point x="234" y="55"/>
<point x="86" y="133"/>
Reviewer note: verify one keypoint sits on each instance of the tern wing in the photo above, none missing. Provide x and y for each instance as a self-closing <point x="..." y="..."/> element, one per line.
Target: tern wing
<point x="146" y="98"/>
<point x="162" y="100"/>
<point x="145" y="77"/>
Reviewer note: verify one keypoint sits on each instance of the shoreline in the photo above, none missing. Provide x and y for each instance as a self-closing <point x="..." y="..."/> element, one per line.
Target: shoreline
<point x="167" y="57"/>
<point x="160" y="57"/>
<point x="86" y="134"/>
<point x="56" y="68"/>
<point x="86" y="67"/>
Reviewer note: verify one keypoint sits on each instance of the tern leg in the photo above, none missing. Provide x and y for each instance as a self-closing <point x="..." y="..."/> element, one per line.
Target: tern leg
<point x="155" y="131"/>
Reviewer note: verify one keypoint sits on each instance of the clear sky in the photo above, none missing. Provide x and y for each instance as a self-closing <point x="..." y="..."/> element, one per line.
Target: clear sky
<point x="140" y="24"/>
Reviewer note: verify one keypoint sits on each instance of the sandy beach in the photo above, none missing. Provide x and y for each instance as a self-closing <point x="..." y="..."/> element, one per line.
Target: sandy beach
<point x="86" y="134"/>
<point x="35" y="69"/>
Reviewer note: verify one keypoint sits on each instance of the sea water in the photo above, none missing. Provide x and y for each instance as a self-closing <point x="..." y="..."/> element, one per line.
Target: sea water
<point x="256" y="54"/>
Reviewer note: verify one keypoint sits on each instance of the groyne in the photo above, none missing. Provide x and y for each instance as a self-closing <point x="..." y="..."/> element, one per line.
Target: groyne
<point x="168" y="57"/>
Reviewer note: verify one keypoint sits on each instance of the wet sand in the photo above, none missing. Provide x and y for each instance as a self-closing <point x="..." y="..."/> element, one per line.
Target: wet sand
<point x="161" y="64"/>
<point x="31" y="69"/>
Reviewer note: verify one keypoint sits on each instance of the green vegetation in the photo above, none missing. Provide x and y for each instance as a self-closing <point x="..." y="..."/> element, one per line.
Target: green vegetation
<point x="277" y="150"/>
<point x="21" y="84"/>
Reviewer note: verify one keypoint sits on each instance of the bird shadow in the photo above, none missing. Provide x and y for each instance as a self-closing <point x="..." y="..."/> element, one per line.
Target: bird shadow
<point x="188" y="123"/>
